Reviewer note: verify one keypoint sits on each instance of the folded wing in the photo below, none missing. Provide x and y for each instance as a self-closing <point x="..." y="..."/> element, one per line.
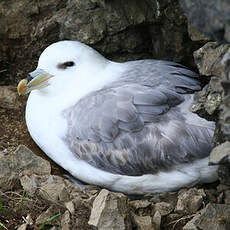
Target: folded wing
<point x="138" y="127"/>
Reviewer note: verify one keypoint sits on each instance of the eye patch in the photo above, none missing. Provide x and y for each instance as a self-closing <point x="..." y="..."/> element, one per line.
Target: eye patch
<point x="65" y="65"/>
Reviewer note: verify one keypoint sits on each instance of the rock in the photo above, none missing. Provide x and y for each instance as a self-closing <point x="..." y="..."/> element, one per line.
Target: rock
<point x="220" y="198"/>
<point x="140" y="207"/>
<point x="93" y="23"/>
<point x="209" y="16"/>
<point x="44" y="216"/>
<point x="50" y="187"/>
<point x="143" y="222"/>
<point x="149" y="28"/>
<point x="64" y="195"/>
<point x="18" y="21"/>
<point x="163" y="208"/>
<point x="21" y="162"/>
<point x="27" y="163"/>
<point x="207" y="102"/>
<point x="168" y="197"/>
<point x="70" y="206"/>
<point x="190" y="201"/>
<point x="174" y="218"/>
<point x="224" y="174"/>
<point x="157" y="221"/>
<point x="196" y="35"/>
<point x="54" y="188"/>
<point x="208" y="58"/>
<point x="211" y="195"/>
<point x="223" y="193"/>
<point x="9" y="98"/>
<point x="110" y="211"/>
<point x="220" y="154"/>
<point x="137" y="204"/>
<point x="23" y="227"/>
<point x="191" y="225"/>
<point x="227" y="197"/>
<point x="29" y="183"/>
<point x="225" y="107"/>
<point x="213" y="216"/>
<point x="65" y="221"/>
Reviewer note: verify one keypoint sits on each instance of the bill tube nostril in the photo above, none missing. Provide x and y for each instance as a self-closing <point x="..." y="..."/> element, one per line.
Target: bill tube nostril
<point x="35" y="80"/>
<point x="29" y="78"/>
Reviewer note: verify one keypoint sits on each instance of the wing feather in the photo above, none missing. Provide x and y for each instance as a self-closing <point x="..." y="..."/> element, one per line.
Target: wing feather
<point x="140" y="124"/>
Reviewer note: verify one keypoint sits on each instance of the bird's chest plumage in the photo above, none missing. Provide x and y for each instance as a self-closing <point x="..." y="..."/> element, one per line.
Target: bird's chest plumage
<point x="44" y="120"/>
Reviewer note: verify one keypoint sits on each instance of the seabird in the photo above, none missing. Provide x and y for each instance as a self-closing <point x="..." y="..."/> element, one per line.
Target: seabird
<point x="123" y="126"/>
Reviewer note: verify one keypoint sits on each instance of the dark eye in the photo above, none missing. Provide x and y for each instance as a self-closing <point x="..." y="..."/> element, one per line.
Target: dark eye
<point x="69" y="63"/>
<point x="65" y="65"/>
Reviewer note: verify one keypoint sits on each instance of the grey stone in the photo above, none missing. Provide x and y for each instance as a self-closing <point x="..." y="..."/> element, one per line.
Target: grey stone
<point x="65" y="221"/>
<point x="70" y="206"/>
<point x="44" y="216"/>
<point x="143" y="222"/>
<point x="220" y="198"/>
<point x="220" y="154"/>
<point x="211" y="17"/>
<point x="50" y="187"/>
<point x="227" y="197"/>
<point x="21" y="162"/>
<point x="191" y="225"/>
<point x="78" y="202"/>
<point x="54" y="188"/>
<point x="168" y="197"/>
<point x="208" y="58"/>
<point x="137" y="204"/>
<point x="207" y="101"/>
<point x="190" y="201"/>
<point x="52" y="191"/>
<point x="163" y="208"/>
<point x="110" y="211"/>
<point x="215" y="217"/>
<point x="222" y="188"/>
<point x="27" y="163"/>
<point x="223" y="123"/>
<point x="196" y="35"/>
<point x="225" y="107"/>
<point x="64" y="195"/>
<point x="211" y="195"/>
<point x="157" y="221"/>
<point x="174" y="219"/>
<point x="29" y="183"/>
<point x="224" y="174"/>
<point x="121" y="30"/>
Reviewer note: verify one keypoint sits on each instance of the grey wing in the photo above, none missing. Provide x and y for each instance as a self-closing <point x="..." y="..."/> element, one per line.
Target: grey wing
<point x="136" y="129"/>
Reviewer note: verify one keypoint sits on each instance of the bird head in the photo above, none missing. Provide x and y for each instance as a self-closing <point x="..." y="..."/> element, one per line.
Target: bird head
<point x="63" y="65"/>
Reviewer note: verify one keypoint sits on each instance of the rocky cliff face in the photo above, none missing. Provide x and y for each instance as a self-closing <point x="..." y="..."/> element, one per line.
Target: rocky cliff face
<point x="209" y="17"/>
<point x="120" y="30"/>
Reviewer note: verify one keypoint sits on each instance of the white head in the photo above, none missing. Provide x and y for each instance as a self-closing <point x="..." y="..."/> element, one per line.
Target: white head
<point x="64" y="65"/>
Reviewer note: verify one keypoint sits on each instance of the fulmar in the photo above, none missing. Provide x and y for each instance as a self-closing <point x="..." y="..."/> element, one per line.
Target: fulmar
<point x="123" y="126"/>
